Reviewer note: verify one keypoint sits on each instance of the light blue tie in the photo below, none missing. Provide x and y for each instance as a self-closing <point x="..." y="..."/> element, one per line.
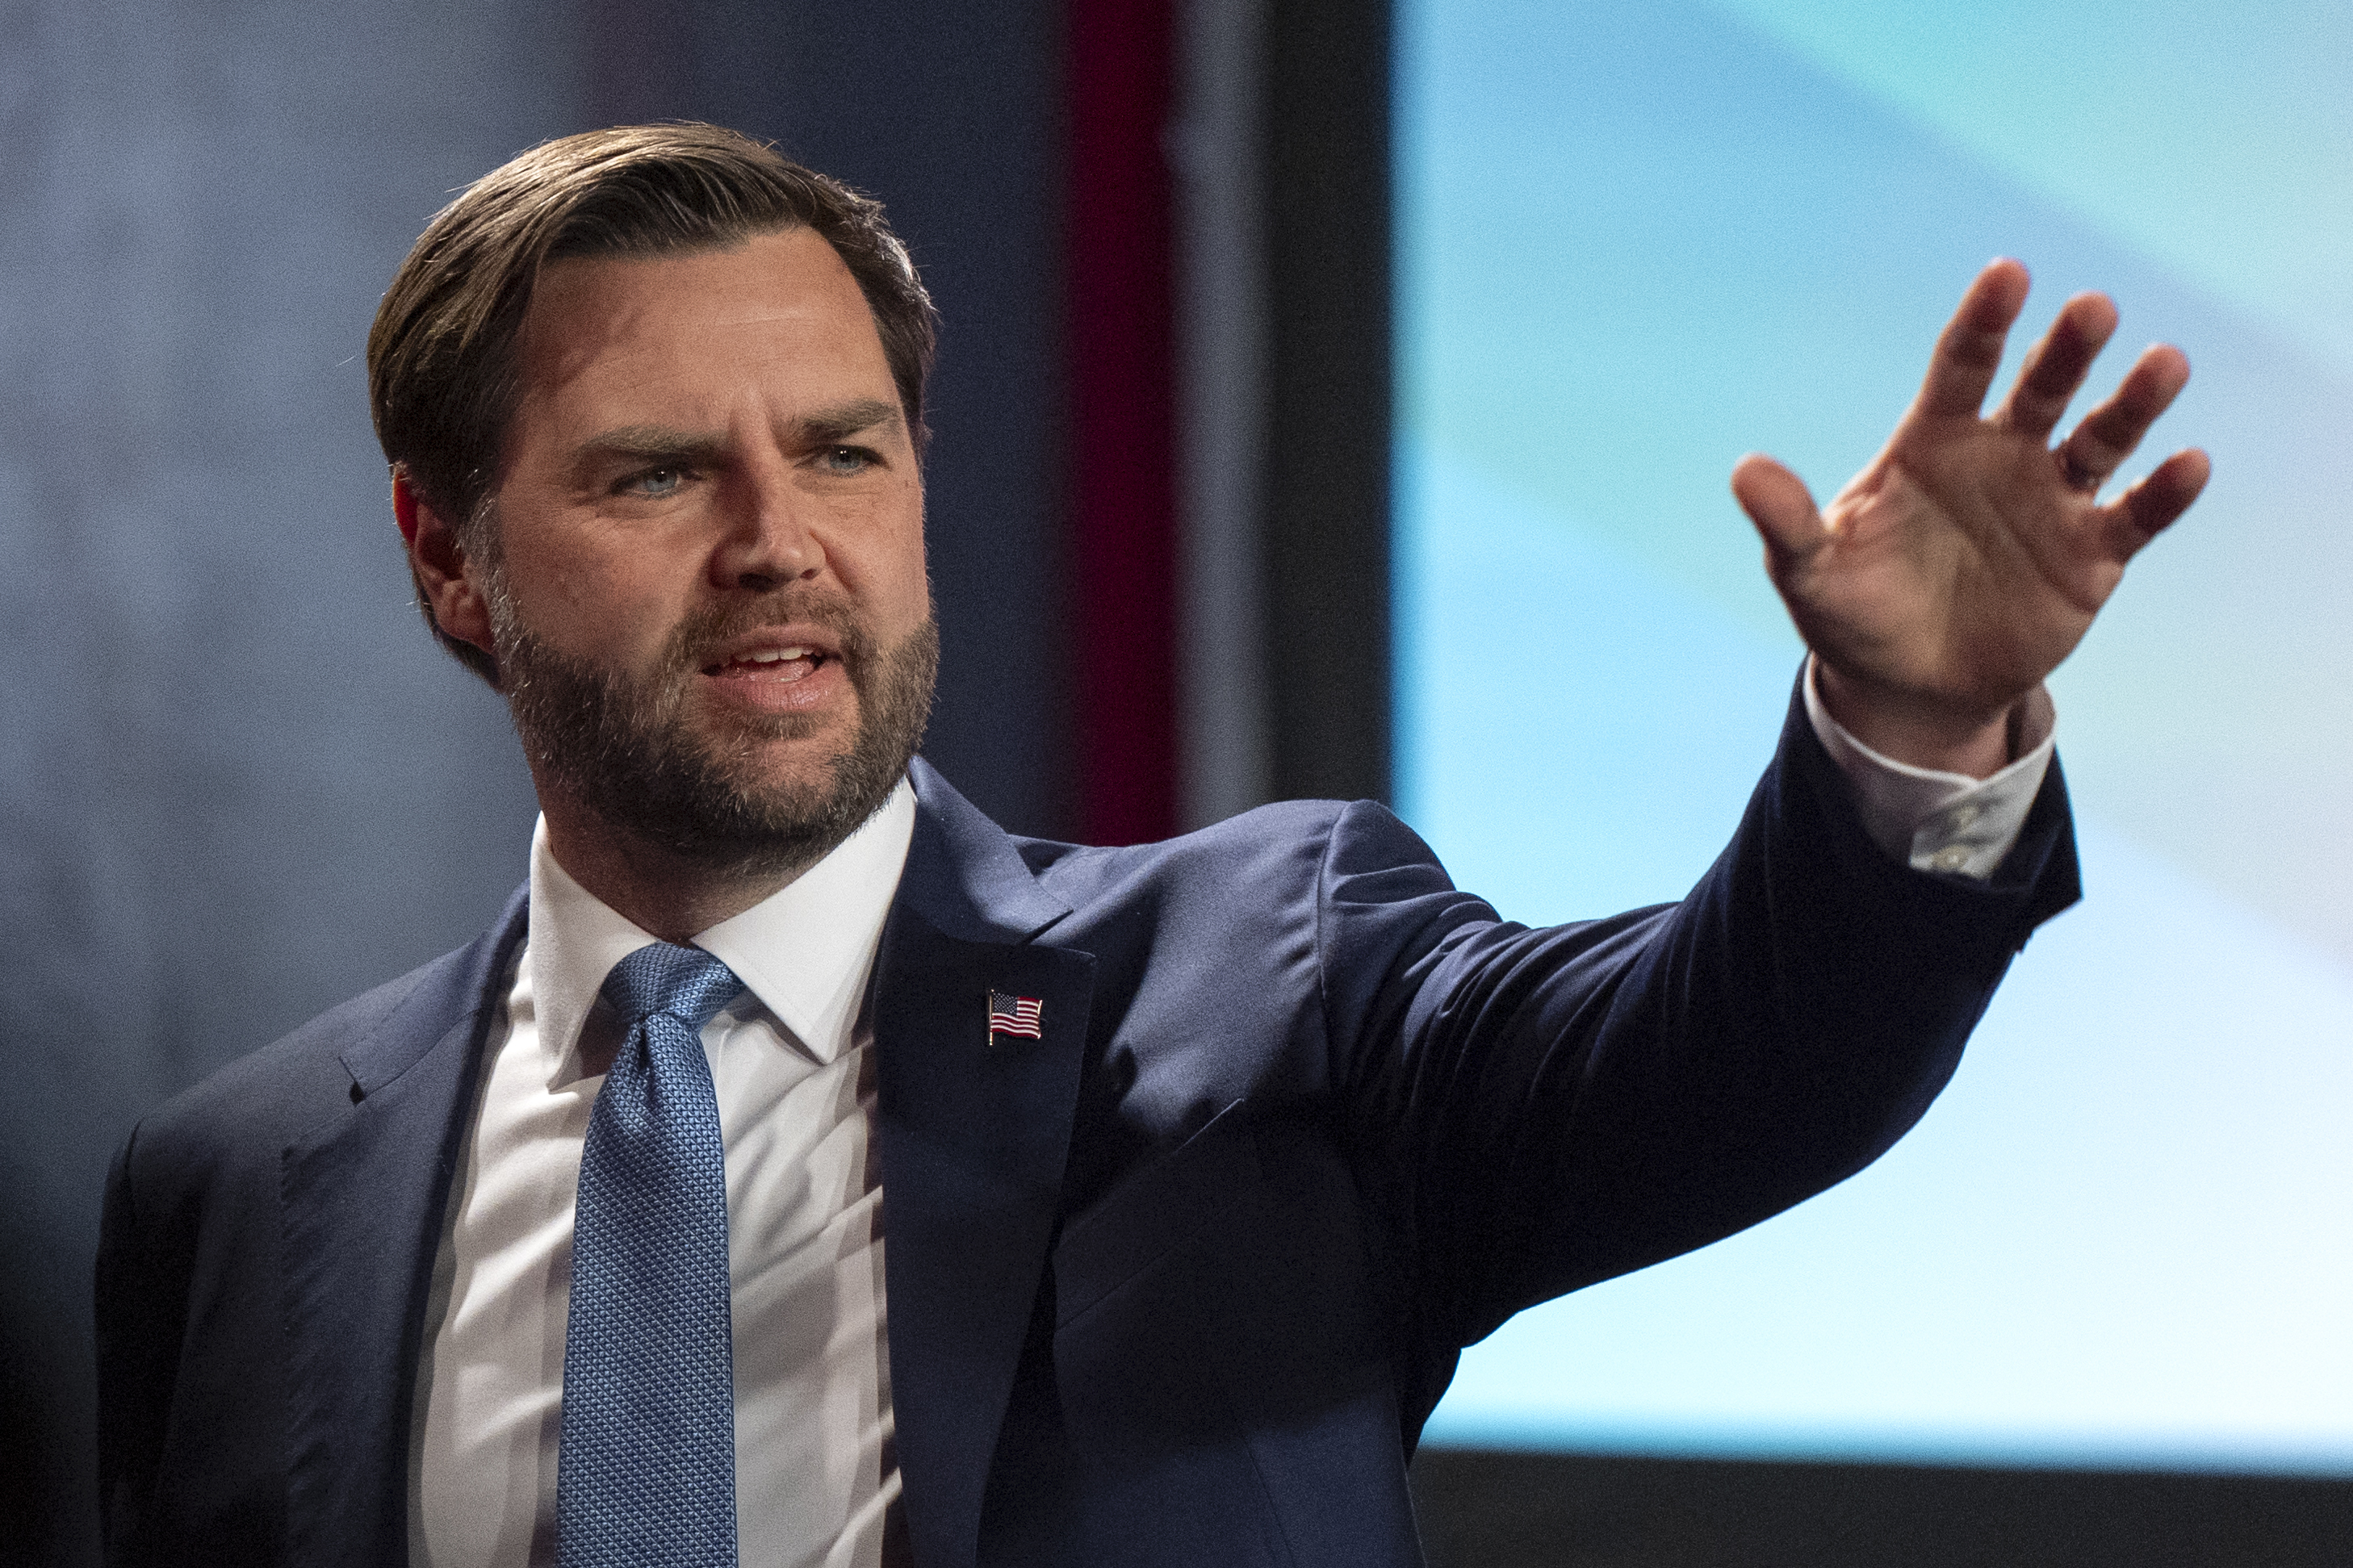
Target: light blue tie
<point x="645" y="1478"/>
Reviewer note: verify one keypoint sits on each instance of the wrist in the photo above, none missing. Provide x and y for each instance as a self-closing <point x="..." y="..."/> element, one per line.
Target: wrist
<point x="1922" y="734"/>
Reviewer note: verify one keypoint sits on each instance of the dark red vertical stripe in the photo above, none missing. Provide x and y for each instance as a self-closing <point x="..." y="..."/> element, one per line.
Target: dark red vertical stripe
<point x="1123" y="403"/>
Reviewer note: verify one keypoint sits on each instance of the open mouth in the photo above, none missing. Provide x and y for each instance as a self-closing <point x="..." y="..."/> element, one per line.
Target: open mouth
<point x="794" y="661"/>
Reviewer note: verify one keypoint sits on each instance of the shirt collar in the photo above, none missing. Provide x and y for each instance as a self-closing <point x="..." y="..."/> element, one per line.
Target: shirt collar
<point x="805" y="951"/>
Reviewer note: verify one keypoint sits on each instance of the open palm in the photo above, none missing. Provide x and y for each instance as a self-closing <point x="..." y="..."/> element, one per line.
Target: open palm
<point x="1967" y="559"/>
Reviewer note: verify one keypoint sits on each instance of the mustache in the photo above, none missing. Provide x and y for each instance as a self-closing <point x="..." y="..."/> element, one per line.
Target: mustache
<point x="691" y="641"/>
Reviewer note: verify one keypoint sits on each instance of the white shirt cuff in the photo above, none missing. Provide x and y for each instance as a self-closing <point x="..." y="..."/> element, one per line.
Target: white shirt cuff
<point x="1937" y="821"/>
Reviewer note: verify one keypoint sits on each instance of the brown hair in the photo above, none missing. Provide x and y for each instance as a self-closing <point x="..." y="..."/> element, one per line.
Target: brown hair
<point x="441" y="373"/>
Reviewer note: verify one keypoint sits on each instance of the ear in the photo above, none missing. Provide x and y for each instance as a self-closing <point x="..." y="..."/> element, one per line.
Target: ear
<point x="447" y="581"/>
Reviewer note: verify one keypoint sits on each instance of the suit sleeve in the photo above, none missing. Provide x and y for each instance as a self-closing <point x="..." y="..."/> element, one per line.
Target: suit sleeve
<point x="1550" y="1108"/>
<point x="139" y="1328"/>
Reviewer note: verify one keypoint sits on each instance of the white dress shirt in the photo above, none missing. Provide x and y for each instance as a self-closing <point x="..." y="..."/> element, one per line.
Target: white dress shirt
<point x="792" y="1062"/>
<point x="1937" y="821"/>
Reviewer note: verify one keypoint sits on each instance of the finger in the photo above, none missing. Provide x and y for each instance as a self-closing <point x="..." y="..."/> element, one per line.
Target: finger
<point x="2149" y="508"/>
<point x="2057" y="365"/>
<point x="1969" y="350"/>
<point x="1779" y="503"/>
<point x="2109" y="433"/>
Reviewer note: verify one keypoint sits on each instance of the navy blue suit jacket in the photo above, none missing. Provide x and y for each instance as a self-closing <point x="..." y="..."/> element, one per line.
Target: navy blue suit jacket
<point x="1177" y="1283"/>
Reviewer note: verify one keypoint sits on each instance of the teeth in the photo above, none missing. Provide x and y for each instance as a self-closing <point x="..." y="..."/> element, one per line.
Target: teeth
<point x="777" y="655"/>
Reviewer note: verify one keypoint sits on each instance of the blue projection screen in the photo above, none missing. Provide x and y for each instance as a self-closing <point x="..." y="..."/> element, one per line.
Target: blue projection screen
<point x="1637" y="240"/>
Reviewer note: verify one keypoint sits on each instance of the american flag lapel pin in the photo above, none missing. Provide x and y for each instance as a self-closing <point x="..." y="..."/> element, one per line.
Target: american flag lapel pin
<point x="1015" y="1015"/>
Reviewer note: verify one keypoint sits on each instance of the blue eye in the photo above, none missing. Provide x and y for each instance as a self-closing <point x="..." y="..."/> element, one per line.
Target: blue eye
<point x="656" y="483"/>
<point x="848" y="460"/>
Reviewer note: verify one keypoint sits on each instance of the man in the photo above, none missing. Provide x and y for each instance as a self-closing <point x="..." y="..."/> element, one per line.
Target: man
<point x="1202" y="1160"/>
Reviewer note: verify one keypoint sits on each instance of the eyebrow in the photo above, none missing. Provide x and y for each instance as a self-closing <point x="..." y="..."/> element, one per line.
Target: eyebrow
<point x="662" y="444"/>
<point x="829" y="426"/>
<point x="648" y="444"/>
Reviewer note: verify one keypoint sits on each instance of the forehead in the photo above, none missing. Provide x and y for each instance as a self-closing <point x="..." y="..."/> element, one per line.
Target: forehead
<point x="780" y="311"/>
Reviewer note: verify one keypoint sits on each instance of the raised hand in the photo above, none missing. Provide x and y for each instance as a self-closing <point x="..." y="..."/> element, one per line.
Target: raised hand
<point x="1968" y="558"/>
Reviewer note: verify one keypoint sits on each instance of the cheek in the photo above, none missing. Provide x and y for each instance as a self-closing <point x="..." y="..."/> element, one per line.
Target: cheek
<point x="911" y="596"/>
<point x="892" y="566"/>
<point x="585" y="602"/>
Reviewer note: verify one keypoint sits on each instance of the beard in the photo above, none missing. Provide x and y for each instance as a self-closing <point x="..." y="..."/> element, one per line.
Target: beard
<point x="624" y="746"/>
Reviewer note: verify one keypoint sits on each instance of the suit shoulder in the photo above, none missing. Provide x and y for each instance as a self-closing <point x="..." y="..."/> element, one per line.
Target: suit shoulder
<point x="1311" y="860"/>
<point x="267" y="1097"/>
<point x="1253" y="843"/>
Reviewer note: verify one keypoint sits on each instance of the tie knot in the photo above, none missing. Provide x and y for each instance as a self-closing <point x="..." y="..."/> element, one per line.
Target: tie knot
<point x="686" y="982"/>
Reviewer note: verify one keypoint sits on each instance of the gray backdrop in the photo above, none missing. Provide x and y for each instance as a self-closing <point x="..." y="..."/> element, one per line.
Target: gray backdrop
<point x="237" y="783"/>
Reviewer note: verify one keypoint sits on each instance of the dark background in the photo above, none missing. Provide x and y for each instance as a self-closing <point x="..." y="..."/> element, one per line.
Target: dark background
<point x="238" y="782"/>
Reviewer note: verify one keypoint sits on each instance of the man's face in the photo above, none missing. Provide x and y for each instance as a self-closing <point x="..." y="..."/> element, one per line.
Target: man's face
<point x="707" y="587"/>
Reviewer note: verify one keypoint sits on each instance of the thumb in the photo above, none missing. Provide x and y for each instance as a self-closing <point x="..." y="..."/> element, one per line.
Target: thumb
<point x="1779" y="503"/>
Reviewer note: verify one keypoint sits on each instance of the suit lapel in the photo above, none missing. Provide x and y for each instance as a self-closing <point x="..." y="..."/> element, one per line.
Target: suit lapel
<point x="973" y="1134"/>
<point x="973" y="1138"/>
<point x="361" y="1202"/>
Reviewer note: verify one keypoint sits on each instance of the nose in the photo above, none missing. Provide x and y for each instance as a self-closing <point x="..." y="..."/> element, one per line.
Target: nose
<point x="767" y="542"/>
